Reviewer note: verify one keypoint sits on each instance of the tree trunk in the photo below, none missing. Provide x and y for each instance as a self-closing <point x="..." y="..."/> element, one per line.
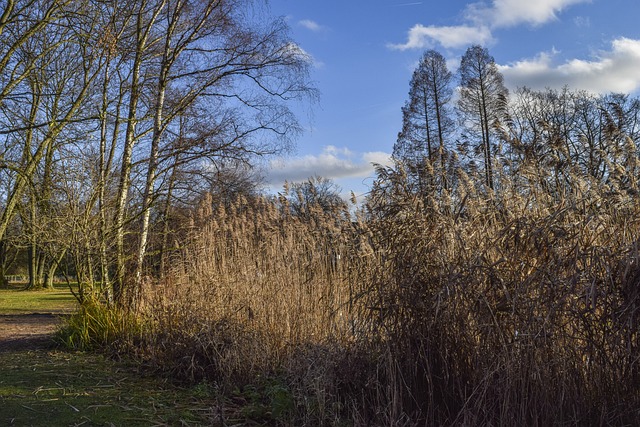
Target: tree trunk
<point x="165" y="218"/>
<point x="4" y="282"/>
<point x="142" y="34"/>
<point x="53" y="267"/>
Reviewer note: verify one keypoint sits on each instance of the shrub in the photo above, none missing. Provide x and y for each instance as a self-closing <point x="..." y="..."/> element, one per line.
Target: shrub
<point x="98" y="326"/>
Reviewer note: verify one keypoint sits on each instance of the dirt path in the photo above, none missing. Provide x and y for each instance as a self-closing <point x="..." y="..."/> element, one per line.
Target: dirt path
<point x="27" y="331"/>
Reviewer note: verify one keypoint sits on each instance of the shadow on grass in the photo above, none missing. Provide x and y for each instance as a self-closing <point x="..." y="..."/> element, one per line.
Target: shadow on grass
<point x="53" y="387"/>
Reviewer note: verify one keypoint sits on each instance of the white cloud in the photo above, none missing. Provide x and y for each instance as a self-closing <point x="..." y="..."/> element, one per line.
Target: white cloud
<point x="508" y="13"/>
<point x="333" y="150"/>
<point x="297" y="50"/>
<point x="481" y="18"/>
<point x="333" y="162"/>
<point x="311" y="25"/>
<point x="615" y="70"/>
<point x="378" y="157"/>
<point x="421" y="37"/>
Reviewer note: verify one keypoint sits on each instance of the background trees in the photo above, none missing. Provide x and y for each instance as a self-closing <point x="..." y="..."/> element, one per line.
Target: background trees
<point x="130" y="96"/>
<point x="47" y="74"/>
<point x="426" y="123"/>
<point x="209" y="53"/>
<point x="316" y="194"/>
<point x="425" y="145"/>
<point x="560" y="134"/>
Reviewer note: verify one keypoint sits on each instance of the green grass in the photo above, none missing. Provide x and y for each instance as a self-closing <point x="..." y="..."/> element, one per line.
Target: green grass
<point x="64" y="388"/>
<point x="58" y="388"/>
<point x="58" y="300"/>
<point x="47" y="387"/>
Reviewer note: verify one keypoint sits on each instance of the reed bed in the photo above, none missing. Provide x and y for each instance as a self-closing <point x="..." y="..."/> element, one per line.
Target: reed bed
<point x="259" y="292"/>
<point x="515" y="308"/>
<point x="463" y="307"/>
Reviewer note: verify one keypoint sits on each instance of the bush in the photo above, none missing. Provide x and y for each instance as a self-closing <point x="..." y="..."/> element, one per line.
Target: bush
<point x="98" y="326"/>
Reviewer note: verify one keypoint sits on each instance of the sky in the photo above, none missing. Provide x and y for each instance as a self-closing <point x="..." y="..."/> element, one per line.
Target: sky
<point x="364" y="53"/>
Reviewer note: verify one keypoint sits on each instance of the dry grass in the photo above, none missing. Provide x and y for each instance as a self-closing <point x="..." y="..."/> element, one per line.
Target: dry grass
<point x="260" y="293"/>
<point x="517" y="309"/>
<point x="468" y="308"/>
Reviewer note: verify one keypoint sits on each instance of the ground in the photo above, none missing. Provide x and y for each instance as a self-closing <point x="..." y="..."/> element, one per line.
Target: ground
<point x="27" y="331"/>
<point x="44" y="385"/>
<point x="28" y="319"/>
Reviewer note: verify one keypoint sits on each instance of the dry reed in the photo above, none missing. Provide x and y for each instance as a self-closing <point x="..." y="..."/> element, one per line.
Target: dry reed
<point x="518" y="307"/>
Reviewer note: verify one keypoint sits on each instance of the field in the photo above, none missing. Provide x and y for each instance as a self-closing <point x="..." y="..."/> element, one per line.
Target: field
<point x="15" y="301"/>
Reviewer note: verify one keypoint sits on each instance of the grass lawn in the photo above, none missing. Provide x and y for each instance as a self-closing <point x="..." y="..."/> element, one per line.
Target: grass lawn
<point x="59" y="388"/>
<point x="45" y="387"/>
<point x="58" y="300"/>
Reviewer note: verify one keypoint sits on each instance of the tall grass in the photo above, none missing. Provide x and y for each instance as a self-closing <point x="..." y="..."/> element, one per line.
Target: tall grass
<point x="464" y="308"/>
<point x="259" y="292"/>
<point x="515" y="309"/>
<point x="95" y="325"/>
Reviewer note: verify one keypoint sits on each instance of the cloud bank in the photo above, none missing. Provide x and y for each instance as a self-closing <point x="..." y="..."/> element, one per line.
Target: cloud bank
<point x="333" y="162"/>
<point x="421" y="37"/>
<point x="509" y="13"/>
<point x="481" y="18"/>
<point x="614" y="70"/>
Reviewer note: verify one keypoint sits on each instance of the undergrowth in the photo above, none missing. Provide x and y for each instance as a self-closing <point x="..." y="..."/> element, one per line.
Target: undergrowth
<point x="467" y="307"/>
<point x="95" y="325"/>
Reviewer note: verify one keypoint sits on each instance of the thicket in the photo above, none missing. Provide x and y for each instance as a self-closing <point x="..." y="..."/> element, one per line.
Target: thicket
<point x="478" y="308"/>
<point x="514" y="309"/>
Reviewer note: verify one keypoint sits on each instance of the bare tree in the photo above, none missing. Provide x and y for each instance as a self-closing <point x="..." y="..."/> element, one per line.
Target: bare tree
<point x="426" y="119"/>
<point x="47" y="73"/>
<point x="210" y="55"/>
<point x="483" y="98"/>
<point x="316" y="193"/>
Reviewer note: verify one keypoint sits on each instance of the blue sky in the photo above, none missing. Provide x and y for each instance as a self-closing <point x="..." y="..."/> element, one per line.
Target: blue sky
<point x="364" y="53"/>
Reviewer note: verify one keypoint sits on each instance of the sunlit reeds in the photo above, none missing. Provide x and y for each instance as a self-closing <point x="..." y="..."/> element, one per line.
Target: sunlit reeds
<point x="514" y="307"/>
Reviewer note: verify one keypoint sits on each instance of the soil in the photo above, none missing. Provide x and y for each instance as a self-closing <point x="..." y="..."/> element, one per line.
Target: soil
<point x="28" y="331"/>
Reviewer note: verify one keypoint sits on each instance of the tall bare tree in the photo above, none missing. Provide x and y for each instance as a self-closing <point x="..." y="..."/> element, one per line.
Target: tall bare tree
<point x="426" y="119"/>
<point x="211" y="53"/>
<point x="483" y="98"/>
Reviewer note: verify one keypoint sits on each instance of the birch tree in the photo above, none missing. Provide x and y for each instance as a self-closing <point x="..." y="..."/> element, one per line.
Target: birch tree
<point x="211" y="56"/>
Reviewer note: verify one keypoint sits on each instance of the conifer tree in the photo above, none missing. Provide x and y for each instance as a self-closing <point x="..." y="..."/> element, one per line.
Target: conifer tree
<point x="483" y="97"/>
<point x="421" y="145"/>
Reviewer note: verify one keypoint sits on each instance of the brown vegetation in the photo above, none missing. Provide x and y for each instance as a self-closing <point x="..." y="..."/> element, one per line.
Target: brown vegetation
<point x="469" y="309"/>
